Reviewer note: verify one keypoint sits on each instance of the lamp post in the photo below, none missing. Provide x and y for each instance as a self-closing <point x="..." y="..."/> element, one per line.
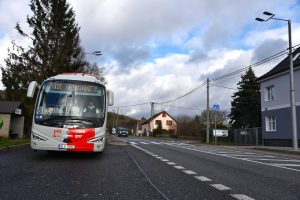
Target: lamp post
<point x="96" y="53"/>
<point x="292" y="87"/>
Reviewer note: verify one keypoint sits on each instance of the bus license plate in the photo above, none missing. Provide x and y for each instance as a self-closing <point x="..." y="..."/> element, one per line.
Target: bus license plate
<point x="65" y="146"/>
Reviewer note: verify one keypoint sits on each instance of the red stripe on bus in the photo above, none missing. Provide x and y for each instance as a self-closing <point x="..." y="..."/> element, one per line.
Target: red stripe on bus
<point x="79" y="137"/>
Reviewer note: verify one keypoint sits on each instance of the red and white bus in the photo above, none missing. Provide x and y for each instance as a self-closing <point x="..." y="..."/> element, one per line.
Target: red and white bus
<point x="70" y="113"/>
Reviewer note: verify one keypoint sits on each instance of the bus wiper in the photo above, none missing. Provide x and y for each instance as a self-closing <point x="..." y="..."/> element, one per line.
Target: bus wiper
<point x="54" y="118"/>
<point x="98" y="122"/>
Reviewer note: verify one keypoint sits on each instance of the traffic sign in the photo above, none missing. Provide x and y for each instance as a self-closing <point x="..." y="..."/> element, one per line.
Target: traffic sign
<point x="216" y="107"/>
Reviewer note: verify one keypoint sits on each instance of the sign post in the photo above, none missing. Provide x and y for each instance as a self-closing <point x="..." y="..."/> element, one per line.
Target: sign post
<point x="216" y="107"/>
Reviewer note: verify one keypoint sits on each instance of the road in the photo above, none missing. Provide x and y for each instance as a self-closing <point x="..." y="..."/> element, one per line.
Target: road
<point x="147" y="168"/>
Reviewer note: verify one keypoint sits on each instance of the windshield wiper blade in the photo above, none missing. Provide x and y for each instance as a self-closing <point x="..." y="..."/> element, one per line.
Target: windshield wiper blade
<point x="82" y="120"/>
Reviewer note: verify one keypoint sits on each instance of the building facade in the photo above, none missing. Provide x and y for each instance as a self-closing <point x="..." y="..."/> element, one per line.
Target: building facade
<point x="275" y="102"/>
<point x="13" y="120"/>
<point x="163" y="119"/>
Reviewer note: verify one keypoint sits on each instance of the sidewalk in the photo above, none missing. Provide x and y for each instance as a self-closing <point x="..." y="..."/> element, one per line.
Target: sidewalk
<point x="284" y="150"/>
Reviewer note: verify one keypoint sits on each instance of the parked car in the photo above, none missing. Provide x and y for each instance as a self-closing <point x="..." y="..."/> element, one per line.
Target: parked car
<point x="122" y="132"/>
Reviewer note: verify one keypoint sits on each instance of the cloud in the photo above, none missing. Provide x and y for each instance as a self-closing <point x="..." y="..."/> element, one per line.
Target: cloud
<point x="269" y="48"/>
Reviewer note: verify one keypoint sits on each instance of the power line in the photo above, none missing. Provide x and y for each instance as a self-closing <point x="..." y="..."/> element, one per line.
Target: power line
<point x="186" y="94"/>
<point x="261" y="62"/>
<point x="179" y="107"/>
<point x="223" y="87"/>
<point x="132" y="105"/>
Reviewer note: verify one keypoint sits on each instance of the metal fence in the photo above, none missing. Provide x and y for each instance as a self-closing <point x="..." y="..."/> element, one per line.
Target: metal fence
<point x="248" y="136"/>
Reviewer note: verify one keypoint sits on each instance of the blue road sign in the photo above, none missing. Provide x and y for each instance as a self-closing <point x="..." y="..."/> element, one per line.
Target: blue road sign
<point x="216" y="107"/>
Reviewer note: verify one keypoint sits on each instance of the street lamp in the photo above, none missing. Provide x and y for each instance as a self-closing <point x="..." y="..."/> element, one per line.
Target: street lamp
<point x="292" y="87"/>
<point x="96" y="53"/>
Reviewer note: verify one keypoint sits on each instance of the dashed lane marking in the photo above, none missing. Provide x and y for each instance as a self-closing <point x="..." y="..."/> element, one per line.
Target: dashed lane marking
<point x="220" y="187"/>
<point x="189" y="172"/>
<point x="164" y="160"/>
<point x="202" y="178"/>
<point x="132" y="142"/>
<point x="178" y="167"/>
<point x="171" y="163"/>
<point x="241" y="197"/>
<point x="144" y="143"/>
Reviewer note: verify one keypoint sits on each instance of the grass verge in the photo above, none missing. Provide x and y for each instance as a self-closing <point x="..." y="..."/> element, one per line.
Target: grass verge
<point x="8" y="143"/>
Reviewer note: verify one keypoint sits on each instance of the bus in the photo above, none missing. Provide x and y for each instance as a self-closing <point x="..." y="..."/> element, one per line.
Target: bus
<point x="70" y="113"/>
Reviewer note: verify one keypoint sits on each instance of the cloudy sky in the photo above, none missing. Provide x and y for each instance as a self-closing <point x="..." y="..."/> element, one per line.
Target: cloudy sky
<point x="158" y="50"/>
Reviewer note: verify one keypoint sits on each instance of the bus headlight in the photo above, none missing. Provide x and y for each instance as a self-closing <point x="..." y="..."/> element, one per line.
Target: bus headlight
<point x="96" y="140"/>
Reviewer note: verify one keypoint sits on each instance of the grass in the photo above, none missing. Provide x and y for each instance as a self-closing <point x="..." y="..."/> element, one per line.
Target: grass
<point x="8" y="143"/>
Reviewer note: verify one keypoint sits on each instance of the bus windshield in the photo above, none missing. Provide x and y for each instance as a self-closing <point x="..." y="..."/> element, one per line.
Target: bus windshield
<point x="67" y="103"/>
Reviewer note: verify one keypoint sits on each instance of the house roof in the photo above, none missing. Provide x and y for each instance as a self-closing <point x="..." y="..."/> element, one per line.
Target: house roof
<point x="156" y="115"/>
<point x="9" y="107"/>
<point x="284" y="65"/>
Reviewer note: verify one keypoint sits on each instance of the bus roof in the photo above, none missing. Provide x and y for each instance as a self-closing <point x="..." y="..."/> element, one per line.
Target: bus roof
<point x="76" y="76"/>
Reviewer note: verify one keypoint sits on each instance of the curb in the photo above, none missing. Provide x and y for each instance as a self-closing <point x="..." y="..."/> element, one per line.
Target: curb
<point x="19" y="146"/>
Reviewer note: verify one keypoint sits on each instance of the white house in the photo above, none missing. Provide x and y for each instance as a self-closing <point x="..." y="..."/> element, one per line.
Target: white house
<point x="167" y="122"/>
<point x="275" y="102"/>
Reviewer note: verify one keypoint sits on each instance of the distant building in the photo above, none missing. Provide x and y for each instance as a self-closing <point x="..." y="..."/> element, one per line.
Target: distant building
<point x="13" y="118"/>
<point x="138" y="129"/>
<point x="165" y="119"/>
<point x="275" y="102"/>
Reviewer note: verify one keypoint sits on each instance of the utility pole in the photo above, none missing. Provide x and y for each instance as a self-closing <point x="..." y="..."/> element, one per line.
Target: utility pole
<point x="117" y="118"/>
<point x="207" y="113"/>
<point x="292" y="92"/>
<point x="152" y="114"/>
<point x="292" y="86"/>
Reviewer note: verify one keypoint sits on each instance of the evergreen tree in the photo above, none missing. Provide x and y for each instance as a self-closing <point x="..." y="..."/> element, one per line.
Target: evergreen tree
<point x="245" y="106"/>
<point x="55" y="48"/>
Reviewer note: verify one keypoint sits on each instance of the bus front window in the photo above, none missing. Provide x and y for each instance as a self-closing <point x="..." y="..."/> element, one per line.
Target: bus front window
<point x="63" y="102"/>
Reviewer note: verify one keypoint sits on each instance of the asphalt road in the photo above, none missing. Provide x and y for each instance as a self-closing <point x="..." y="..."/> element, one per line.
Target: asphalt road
<point x="140" y="168"/>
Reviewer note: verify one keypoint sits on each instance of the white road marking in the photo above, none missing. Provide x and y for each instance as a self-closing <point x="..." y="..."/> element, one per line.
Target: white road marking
<point x="171" y="163"/>
<point x="238" y="158"/>
<point x="255" y="156"/>
<point x="279" y="160"/>
<point x="179" y="167"/>
<point x="158" y="157"/>
<point x="285" y="164"/>
<point x="132" y="142"/>
<point x="189" y="172"/>
<point x="241" y="197"/>
<point x="144" y="143"/>
<point x="164" y="160"/>
<point x="155" y="142"/>
<point x="202" y="178"/>
<point x="220" y="187"/>
<point x="154" y="155"/>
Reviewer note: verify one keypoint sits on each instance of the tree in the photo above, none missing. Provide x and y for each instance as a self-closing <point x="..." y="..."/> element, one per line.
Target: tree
<point x="55" y="48"/>
<point x="245" y="106"/>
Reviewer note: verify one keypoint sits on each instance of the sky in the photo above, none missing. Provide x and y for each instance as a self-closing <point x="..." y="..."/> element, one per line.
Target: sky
<point x="159" y="50"/>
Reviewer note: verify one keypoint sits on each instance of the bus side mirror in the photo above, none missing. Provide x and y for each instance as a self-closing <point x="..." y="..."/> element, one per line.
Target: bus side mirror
<point x="110" y="97"/>
<point x="31" y="89"/>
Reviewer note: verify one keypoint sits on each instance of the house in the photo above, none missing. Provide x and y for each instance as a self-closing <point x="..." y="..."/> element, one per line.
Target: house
<point x="164" y="119"/>
<point x="13" y="119"/>
<point x="275" y="102"/>
<point x="138" y="129"/>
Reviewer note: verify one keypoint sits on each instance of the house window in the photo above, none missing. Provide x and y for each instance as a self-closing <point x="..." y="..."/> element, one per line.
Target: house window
<point x="270" y="93"/>
<point x="163" y="114"/>
<point x="169" y="122"/>
<point x="271" y="123"/>
<point x="157" y="122"/>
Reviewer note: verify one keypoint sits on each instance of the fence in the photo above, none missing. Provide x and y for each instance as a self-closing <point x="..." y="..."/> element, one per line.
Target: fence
<point x="248" y="136"/>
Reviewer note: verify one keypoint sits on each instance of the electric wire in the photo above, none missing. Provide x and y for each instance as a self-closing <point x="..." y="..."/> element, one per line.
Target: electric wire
<point x="261" y="62"/>
<point x="184" y="95"/>
<point x="216" y="80"/>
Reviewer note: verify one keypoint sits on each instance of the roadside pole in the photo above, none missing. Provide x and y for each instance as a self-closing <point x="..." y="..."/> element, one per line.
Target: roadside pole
<point x="207" y="112"/>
